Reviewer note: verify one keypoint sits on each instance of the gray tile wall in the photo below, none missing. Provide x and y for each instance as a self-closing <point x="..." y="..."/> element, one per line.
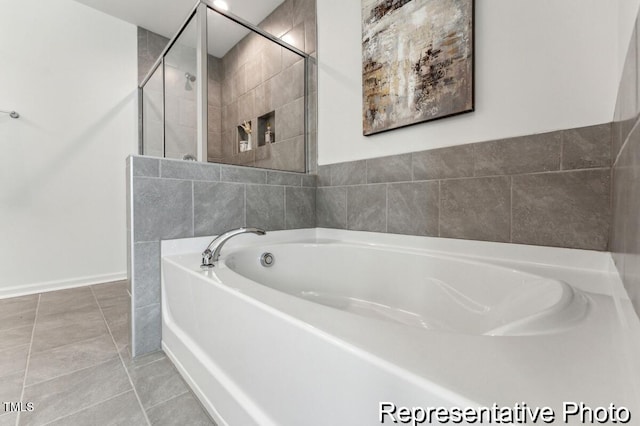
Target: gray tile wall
<point x="150" y="46"/>
<point x="259" y="77"/>
<point x="179" y="199"/>
<point x="549" y="189"/>
<point x="625" y="233"/>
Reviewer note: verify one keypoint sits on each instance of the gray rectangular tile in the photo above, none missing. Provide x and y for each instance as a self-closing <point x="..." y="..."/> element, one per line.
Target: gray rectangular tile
<point x="396" y="168"/>
<point x="243" y="175"/>
<point x="349" y="173"/>
<point x="309" y="180"/>
<point x="16" y="305"/>
<point x="69" y="358"/>
<point x="146" y="273"/>
<point x="413" y="208"/>
<point x="147" y="330"/>
<point x="157" y="382"/>
<point x="526" y="154"/>
<point x="476" y="208"/>
<point x="121" y="332"/>
<point x="62" y="301"/>
<point x="18" y="312"/>
<point x="281" y="178"/>
<point x="189" y="170"/>
<point x="586" y="147"/>
<point x="162" y="209"/>
<point x="300" y="208"/>
<point x="265" y="207"/>
<point x="139" y="361"/>
<point x="324" y="175"/>
<point x="16" y="320"/>
<point x="8" y="419"/>
<point x="106" y="293"/>
<point x="218" y="207"/>
<point x="67" y="328"/>
<point x="145" y="166"/>
<point x="11" y="389"/>
<point x="443" y="163"/>
<point x="331" y="208"/>
<point x="15" y="337"/>
<point x="121" y="410"/>
<point x="67" y="394"/>
<point x="13" y="360"/>
<point x="367" y="208"/>
<point x="191" y="412"/>
<point x="569" y="209"/>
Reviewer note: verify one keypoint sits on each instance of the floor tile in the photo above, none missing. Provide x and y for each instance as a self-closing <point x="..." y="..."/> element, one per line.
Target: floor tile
<point x="118" y="312"/>
<point x="182" y="410"/>
<point x="109" y="290"/>
<point x="13" y="360"/>
<point x="8" y="419"/>
<point x="64" y="331"/>
<point x="18" y="304"/>
<point x="9" y="321"/>
<point x="129" y="363"/>
<point x="65" y="300"/>
<point x="15" y="337"/>
<point x="120" y="332"/>
<point x="122" y="410"/>
<point x="157" y="382"/>
<point x="66" y="359"/>
<point x="11" y="388"/>
<point x="67" y="394"/>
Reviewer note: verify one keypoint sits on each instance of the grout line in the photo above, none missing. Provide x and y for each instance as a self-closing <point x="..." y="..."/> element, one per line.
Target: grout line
<point x="511" y="209"/>
<point x="386" y="209"/>
<point x="135" y="391"/>
<point x="346" y="208"/>
<point x="74" y="371"/>
<point x="439" y="204"/>
<point x="85" y="408"/>
<point x="625" y="143"/>
<point x="244" y="208"/>
<point x="26" y="368"/>
<point x="284" y="190"/>
<point x="188" y="390"/>
<point x="479" y="177"/>
<point x="193" y="209"/>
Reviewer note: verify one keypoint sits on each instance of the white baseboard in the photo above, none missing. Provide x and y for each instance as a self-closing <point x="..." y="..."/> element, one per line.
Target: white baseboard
<point x="23" y="290"/>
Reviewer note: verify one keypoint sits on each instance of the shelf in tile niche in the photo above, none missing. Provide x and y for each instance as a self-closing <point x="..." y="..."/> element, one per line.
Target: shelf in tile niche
<point x="267" y="129"/>
<point x="244" y="141"/>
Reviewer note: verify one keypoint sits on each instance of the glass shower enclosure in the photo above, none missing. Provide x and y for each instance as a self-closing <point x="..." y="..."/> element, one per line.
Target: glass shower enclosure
<point x="225" y="91"/>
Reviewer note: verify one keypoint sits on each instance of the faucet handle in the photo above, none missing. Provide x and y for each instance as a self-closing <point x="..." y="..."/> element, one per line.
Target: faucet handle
<point x="207" y="257"/>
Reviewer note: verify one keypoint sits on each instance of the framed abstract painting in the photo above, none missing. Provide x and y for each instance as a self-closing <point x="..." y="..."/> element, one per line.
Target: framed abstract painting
<point x="417" y="61"/>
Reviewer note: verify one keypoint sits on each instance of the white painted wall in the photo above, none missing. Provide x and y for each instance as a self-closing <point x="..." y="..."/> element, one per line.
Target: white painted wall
<point x="70" y="71"/>
<point x="541" y="65"/>
<point x="627" y="13"/>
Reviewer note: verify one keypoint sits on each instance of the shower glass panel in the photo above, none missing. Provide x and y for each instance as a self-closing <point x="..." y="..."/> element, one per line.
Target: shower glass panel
<point x="230" y="93"/>
<point x="180" y="69"/>
<point x="152" y="115"/>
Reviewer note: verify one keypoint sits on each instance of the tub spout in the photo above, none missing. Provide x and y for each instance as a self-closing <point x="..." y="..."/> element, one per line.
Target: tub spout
<point x="212" y="253"/>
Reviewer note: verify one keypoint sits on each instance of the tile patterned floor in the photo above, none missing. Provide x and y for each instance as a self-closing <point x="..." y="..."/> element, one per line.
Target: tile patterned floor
<point x="67" y="353"/>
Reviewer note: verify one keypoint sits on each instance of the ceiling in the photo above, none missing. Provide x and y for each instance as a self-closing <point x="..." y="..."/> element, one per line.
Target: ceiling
<point x="164" y="17"/>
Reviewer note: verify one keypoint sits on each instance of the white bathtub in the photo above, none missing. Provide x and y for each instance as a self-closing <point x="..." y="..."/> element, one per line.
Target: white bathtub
<point x="346" y="320"/>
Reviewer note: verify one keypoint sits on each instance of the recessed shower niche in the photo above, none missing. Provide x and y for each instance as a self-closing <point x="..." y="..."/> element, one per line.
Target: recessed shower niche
<point x="245" y="104"/>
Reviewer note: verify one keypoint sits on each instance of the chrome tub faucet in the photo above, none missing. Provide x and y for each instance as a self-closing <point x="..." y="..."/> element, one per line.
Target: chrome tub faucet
<point x="212" y="253"/>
